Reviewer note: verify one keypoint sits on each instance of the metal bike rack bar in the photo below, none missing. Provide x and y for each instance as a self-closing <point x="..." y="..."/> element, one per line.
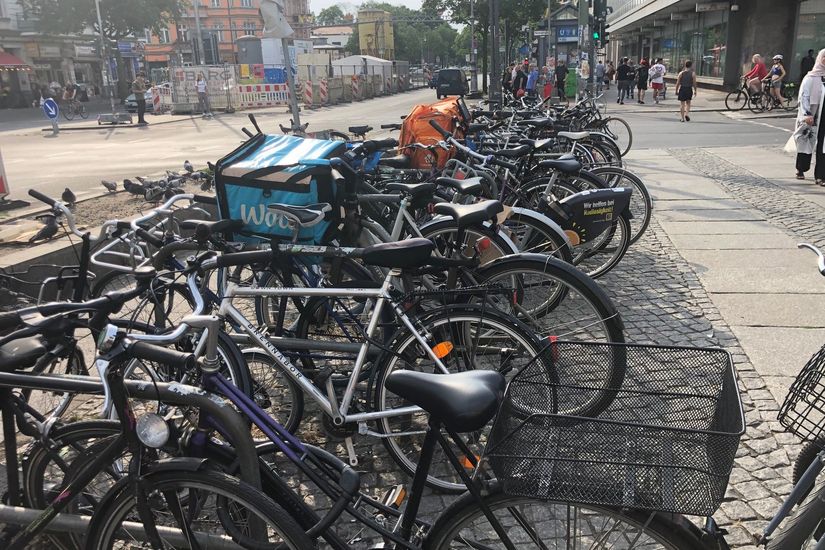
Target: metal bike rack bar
<point x="71" y="523"/>
<point x="230" y="422"/>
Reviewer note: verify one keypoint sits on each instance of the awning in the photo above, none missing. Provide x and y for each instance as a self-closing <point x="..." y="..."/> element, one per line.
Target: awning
<point x="11" y="61"/>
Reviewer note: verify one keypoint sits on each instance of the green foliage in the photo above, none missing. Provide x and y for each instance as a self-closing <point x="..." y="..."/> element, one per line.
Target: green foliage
<point x="332" y="15"/>
<point x="120" y="17"/>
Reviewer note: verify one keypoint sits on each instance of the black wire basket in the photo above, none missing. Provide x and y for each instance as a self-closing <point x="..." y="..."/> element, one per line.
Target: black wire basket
<point x="664" y="439"/>
<point x="803" y="412"/>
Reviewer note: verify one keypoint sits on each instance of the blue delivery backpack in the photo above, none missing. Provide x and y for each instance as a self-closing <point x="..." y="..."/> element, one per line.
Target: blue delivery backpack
<point x="277" y="169"/>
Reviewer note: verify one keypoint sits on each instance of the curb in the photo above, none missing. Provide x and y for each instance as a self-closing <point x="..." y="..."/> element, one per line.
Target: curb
<point x="111" y="126"/>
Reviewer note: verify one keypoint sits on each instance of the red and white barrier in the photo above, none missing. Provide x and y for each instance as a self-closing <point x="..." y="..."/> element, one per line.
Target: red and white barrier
<point x="323" y="92"/>
<point x="388" y="89"/>
<point x="402" y="84"/>
<point x="262" y="95"/>
<point x="356" y="89"/>
<point x="161" y="99"/>
<point x="308" y="94"/>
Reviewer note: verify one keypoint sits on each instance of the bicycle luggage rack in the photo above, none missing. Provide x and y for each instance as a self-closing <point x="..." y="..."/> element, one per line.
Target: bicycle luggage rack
<point x="663" y="439"/>
<point x="42" y="276"/>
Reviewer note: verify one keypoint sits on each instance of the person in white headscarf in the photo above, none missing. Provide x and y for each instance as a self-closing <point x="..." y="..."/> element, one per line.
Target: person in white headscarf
<point x="810" y="129"/>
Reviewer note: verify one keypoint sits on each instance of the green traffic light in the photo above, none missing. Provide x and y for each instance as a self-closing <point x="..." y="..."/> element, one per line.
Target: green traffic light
<point x="595" y="35"/>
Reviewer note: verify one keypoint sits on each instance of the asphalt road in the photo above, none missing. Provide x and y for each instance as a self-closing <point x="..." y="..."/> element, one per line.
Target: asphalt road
<point x="80" y="159"/>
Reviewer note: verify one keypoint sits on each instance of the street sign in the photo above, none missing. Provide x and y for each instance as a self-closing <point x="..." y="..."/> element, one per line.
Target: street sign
<point x="51" y="109"/>
<point x="539" y="33"/>
<point x="712" y="6"/>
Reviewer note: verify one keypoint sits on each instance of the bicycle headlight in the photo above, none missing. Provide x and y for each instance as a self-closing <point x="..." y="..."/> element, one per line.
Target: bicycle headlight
<point x="106" y="339"/>
<point x="152" y="430"/>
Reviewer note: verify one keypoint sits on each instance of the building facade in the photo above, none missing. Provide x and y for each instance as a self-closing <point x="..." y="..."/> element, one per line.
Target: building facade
<point x="720" y="37"/>
<point x="375" y="33"/>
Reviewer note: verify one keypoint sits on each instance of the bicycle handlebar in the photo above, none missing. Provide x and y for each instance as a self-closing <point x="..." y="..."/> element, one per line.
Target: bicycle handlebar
<point x="821" y="257"/>
<point x="157" y="354"/>
<point x="42" y="198"/>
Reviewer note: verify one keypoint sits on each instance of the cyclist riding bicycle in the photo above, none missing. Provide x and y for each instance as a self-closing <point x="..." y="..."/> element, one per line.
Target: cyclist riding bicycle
<point x="70" y="94"/>
<point x="755" y="76"/>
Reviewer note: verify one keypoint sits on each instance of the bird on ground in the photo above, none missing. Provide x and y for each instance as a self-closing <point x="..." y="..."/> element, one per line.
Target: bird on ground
<point x="206" y="184"/>
<point x="188" y="166"/>
<point x="133" y="188"/>
<point x="48" y="230"/>
<point x="172" y="191"/>
<point x="109" y="185"/>
<point x="68" y="197"/>
<point x="153" y="194"/>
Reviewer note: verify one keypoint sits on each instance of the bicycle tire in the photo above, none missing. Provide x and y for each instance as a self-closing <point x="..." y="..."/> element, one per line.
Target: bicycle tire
<point x="756" y="103"/>
<point x="452" y="323"/>
<point x="641" y="203"/>
<point x="443" y="232"/>
<point x="530" y="191"/>
<point x="736" y="100"/>
<point x="806" y="456"/>
<point x="268" y="376"/>
<point x="806" y="523"/>
<point x="84" y="114"/>
<point x="339" y="136"/>
<point x="164" y="295"/>
<point x="616" y="130"/>
<point x="536" y="237"/>
<point x="68" y="112"/>
<point x="163" y="485"/>
<point x="619" y="527"/>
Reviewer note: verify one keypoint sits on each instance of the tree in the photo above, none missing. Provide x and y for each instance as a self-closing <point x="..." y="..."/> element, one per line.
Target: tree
<point x="332" y="15"/>
<point x="121" y="19"/>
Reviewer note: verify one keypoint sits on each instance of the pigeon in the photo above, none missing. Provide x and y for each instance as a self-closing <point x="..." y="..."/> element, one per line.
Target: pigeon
<point x="48" y="230"/>
<point x="206" y="185"/>
<point x="133" y="188"/>
<point x="109" y="185"/>
<point x="188" y="166"/>
<point x="153" y="194"/>
<point x="172" y="191"/>
<point x="68" y="197"/>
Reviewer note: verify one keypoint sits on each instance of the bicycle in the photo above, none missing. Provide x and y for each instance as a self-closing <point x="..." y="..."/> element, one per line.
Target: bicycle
<point x="74" y="108"/>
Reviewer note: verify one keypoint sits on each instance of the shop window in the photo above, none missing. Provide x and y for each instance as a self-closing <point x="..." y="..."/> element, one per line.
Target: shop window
<point x="246" y="3"/>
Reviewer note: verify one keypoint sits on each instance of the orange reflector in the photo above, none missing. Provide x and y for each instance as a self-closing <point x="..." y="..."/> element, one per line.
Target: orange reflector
<point x="465" y="461"/>
<point x="443" y="349"/>
<point x="554" y="348"/>
<point x="399" y="497"/>
<point x="483" y="244"/>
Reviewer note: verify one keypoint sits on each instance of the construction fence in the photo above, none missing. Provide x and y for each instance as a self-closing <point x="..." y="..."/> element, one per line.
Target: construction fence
<point x="233" y="87"/>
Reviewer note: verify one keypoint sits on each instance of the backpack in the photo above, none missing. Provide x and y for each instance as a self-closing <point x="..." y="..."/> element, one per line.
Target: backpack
<point x="270" y="169"/>
<point x="416" y="129"/>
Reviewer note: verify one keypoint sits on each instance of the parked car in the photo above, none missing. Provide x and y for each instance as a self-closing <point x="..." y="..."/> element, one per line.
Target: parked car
<point x="451" y="82"/>
<point x="131" y="101"/>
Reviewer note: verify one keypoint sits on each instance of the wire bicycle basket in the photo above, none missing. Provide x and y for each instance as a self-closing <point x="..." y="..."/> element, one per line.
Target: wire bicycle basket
<point x="803" y="411"/>
<point x="665" y="440"/>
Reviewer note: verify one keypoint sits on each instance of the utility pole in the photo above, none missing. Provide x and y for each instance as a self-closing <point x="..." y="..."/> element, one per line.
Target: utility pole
<point x="290" y="81"/>
<point x="586" y="45"/>
<point x="198" y="35"/>
<point x="495" y="72"/>
<point x="104" y="59"/>
<point x="473" y="68"/>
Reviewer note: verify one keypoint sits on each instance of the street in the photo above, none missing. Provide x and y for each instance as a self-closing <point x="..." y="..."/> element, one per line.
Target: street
<point x="717" y="267"/>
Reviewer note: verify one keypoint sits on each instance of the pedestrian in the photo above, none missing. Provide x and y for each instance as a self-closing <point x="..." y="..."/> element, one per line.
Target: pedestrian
<point x="203" y="97"/>
<point x="777" y="75"/>
<point x="810" y="131"/>
<point x="641" y="80"/>
<point x="656" y="75"/>
<point x="520" y="81"/>
<point x="548" y="84"/>
<point x="609" y="73"/>
<point x="631" y="76"/>
<point x="139" y="89"/>
<point x="756" y="74"/>
<point x="806" y="64"/>
<point x="507" y="78"/>
<point x="686" y="90"/>
<point x="622" y="82"/>
<point x="600" y="71"/>
<point x="532" y="81"/>
<point x="561" y="80"/>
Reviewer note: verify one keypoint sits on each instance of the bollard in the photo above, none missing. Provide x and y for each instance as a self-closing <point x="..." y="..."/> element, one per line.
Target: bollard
<point x="356" y="92"/>
<point x="323" y="92"/>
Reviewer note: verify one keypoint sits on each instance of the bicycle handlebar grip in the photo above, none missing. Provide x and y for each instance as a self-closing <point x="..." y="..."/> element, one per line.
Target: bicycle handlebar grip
<point x="205" y="199"/>
<point x="10" y="319"/>
<point x="157" y="354"/>
<point x="244" y="258"/>
<point x="391" y="126"/>
<point x="386" y="143"/>
<point x="41" y="197"/>
<point x="149" y="238"/>
<point x="439" y="129"/>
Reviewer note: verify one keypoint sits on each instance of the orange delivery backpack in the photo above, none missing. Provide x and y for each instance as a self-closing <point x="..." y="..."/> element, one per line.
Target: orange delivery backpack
<point x="416" y="129"/>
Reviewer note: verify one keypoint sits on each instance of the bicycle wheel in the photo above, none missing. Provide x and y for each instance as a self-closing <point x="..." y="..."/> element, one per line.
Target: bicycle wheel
<point x="548" y="525"/>
<point x="84" y="114"/>
<point x="68" y="112"/>
<point x="619" y="130"/>
<point x="806" y="528"/>
<point x="210" y="507"/>
<point x="757" y="103"/>
<point x="480" y="339"/>
<point x="52" y="404"/>
<point x="530" y="234"/>
<point x="641" y="204"/>
<point x="790" y="99"/>
<point x="163" y="306"/>
<point x="736" y="100"/>
<point x="274" y="390"/>
<point x="602" y="253"/>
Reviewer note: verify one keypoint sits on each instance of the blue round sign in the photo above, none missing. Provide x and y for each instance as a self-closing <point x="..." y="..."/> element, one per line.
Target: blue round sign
<point x="51" y="109"/>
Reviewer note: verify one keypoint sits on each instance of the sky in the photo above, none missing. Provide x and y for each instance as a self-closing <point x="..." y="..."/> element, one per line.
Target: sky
<point x="317" y="5"/>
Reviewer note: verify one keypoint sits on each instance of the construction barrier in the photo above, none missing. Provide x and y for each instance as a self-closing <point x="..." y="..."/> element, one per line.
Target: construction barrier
<point x="323" y="92"/>
<point x="402" y="84"/>
<point x="262" y="95"/>
<point x="161" y="99"/>
<point x="355" y="88"/>
<point x="308" y="94"/>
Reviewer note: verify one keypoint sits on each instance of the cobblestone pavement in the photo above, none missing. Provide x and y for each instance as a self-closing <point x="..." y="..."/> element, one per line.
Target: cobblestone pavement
<point x="663" y="302"/>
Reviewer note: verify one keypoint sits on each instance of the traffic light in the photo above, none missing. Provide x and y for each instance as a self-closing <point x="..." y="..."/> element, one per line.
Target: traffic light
<point x="600" y="10"/>
<point x="597" y="35"/>
<point x="604" y="34"/>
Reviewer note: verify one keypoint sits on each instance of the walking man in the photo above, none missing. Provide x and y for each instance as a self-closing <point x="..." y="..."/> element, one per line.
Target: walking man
<point x="600" y="69"/>
<point x="623" y="80"/>
<point x="657" y="78"/>
<point x="806" y="64"/>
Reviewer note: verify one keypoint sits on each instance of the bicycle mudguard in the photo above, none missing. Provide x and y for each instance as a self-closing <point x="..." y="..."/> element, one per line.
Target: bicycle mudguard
<point x="590" y="213"/>
<point x="445" y="219"/>
<point x="529" y="213"/>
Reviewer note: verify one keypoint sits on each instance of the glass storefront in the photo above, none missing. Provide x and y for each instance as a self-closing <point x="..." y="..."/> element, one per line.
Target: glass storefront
<point x="810" y="32"/>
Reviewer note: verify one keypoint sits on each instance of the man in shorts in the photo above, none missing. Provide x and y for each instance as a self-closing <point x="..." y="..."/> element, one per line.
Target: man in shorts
<point x="656" y="75"/>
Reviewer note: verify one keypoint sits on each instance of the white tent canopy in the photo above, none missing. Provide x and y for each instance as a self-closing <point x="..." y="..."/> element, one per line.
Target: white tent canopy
<point x="362" y="64"/>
